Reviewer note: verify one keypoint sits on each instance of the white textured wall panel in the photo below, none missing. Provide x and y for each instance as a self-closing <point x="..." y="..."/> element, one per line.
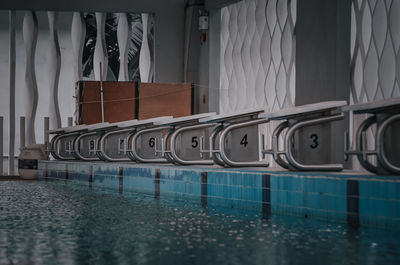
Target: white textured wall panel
<point x="257" y="55"/>
<point x="375" y="58"/>
<point x="375" y="43"/>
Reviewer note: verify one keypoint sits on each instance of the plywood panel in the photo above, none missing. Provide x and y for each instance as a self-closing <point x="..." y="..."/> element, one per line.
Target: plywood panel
<point x="164" y="100"/>
<point x="119" y="101"/>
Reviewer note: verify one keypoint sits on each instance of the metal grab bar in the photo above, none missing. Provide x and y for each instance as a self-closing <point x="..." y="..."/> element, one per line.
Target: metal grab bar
<point x="289" y="149"/>
<point x="132" y="152"/>
<point x="76" y="149"/>
<point x="55" y="147"/>
<point x="164" y="148"/>
<point x="276" y="154"/>
<point x="101" y="153"/>
<point x="211" y="145"/>
<point x="173" y="151"/>
<point x="52" y="147"/>
<point x="223" y="136"/>
<point x="361" y="145"/>
<point x="380" y="146"/>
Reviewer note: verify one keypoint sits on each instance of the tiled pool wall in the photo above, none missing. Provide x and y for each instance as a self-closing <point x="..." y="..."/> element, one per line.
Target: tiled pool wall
<point x="350" y="198"/>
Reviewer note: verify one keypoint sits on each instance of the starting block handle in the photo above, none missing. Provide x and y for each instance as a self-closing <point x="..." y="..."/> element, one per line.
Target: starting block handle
<point x="133" y="152"/>
<point x="289" y="148"/>
<point x="381" y="143"/>
<point x="275" y="144"/>
<point x="102" y="146"/>
<point x="182" y="161"/>
<point x="361" y="145"/>
<point x="56" y="142"/>
<point x="76" y="148"/>
<point x="222" y="139"/>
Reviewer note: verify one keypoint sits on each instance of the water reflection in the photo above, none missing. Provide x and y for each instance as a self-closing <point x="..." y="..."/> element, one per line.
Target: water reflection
<point x="66" y="224"/>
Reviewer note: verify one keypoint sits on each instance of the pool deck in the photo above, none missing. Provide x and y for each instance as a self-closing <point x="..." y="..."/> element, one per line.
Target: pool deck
<point x="355" y="198"/>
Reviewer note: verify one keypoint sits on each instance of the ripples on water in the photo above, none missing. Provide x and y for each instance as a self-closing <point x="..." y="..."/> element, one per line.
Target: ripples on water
<point x="53" y="223"/>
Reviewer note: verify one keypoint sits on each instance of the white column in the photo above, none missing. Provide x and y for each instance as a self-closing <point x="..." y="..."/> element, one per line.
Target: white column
<point x="46" y="129"/>
<point x="30" y="32"/>
<point x="78" y="33"/>
<point x="123" y="44"/>
<point x="70" y="121"/>
<point x="100" y="51"/>
<point x="11" y="135"/>
<point x="54" y="64"/>
<point x="144" y="58"/>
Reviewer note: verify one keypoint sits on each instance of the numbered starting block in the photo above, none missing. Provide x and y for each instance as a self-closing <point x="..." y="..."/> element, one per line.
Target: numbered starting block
<point x="145" y="139"/>
<point x="62" y="144"/>
<point x="111" y="144"/>
<point x="183" y="139"/>
<point x="234" y="141"/>
<point x="308" y="141"/>
<point x="386" y="116"/>
<point x="85" y="144"/>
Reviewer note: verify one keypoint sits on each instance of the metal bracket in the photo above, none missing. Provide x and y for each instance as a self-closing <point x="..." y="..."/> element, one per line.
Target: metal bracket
<point x="361" y="145"/>
<point x="275" y="152"/>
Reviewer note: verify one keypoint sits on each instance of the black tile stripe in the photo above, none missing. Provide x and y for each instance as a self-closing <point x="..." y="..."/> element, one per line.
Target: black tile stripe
<point x="46" y="174"/>
<point x="66" y="173"/>
<point x="204" y="189"/>
<point x="353" y="217"/>
<point x="121" y="180"/>
<point x="90" y="176"/>
<point x="157" y="184"/>
<point x="266" y="196"/>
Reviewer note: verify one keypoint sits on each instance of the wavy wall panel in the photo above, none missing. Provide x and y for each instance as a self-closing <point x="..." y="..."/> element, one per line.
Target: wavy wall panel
<point x="375" y="43"/>
<point x="375" y="56"/>
<point x="54" y="66"/>
<point x="30" y="34"/>
<point x="258" y="56"/>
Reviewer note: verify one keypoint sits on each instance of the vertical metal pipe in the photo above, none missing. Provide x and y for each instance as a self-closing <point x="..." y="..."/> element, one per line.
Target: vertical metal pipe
<point x="11" y="152"/>
<point x="1" y="145"/>
<point x="46" y="132"/>
<point x="70" y="121"/>
<point x="101" y="94"/>
<point x="22" y="132"/>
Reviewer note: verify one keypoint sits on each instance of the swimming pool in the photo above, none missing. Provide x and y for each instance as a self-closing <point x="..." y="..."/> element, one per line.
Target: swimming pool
<point x="58" y="223"/>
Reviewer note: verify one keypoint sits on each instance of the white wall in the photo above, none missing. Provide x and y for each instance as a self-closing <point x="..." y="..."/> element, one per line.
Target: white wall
<point x="169" y="24"/>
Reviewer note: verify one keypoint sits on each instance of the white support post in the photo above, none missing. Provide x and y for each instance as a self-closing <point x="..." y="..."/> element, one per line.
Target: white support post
<point x="70" y="121"/>
<point x="100" y="50"/>
<point x="46" y="133"/>
<point x="101" y="95"/>
<point x="123" y="44"/>
<point x="22" y="132"/>
<point x="11" y="135"/>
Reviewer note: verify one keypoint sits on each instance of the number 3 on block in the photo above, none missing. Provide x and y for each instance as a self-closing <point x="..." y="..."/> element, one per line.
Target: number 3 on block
<point x="314" y="138"/>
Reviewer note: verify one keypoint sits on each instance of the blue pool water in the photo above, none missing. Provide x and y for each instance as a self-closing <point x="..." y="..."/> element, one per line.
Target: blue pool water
<point x="57" y="223"/>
